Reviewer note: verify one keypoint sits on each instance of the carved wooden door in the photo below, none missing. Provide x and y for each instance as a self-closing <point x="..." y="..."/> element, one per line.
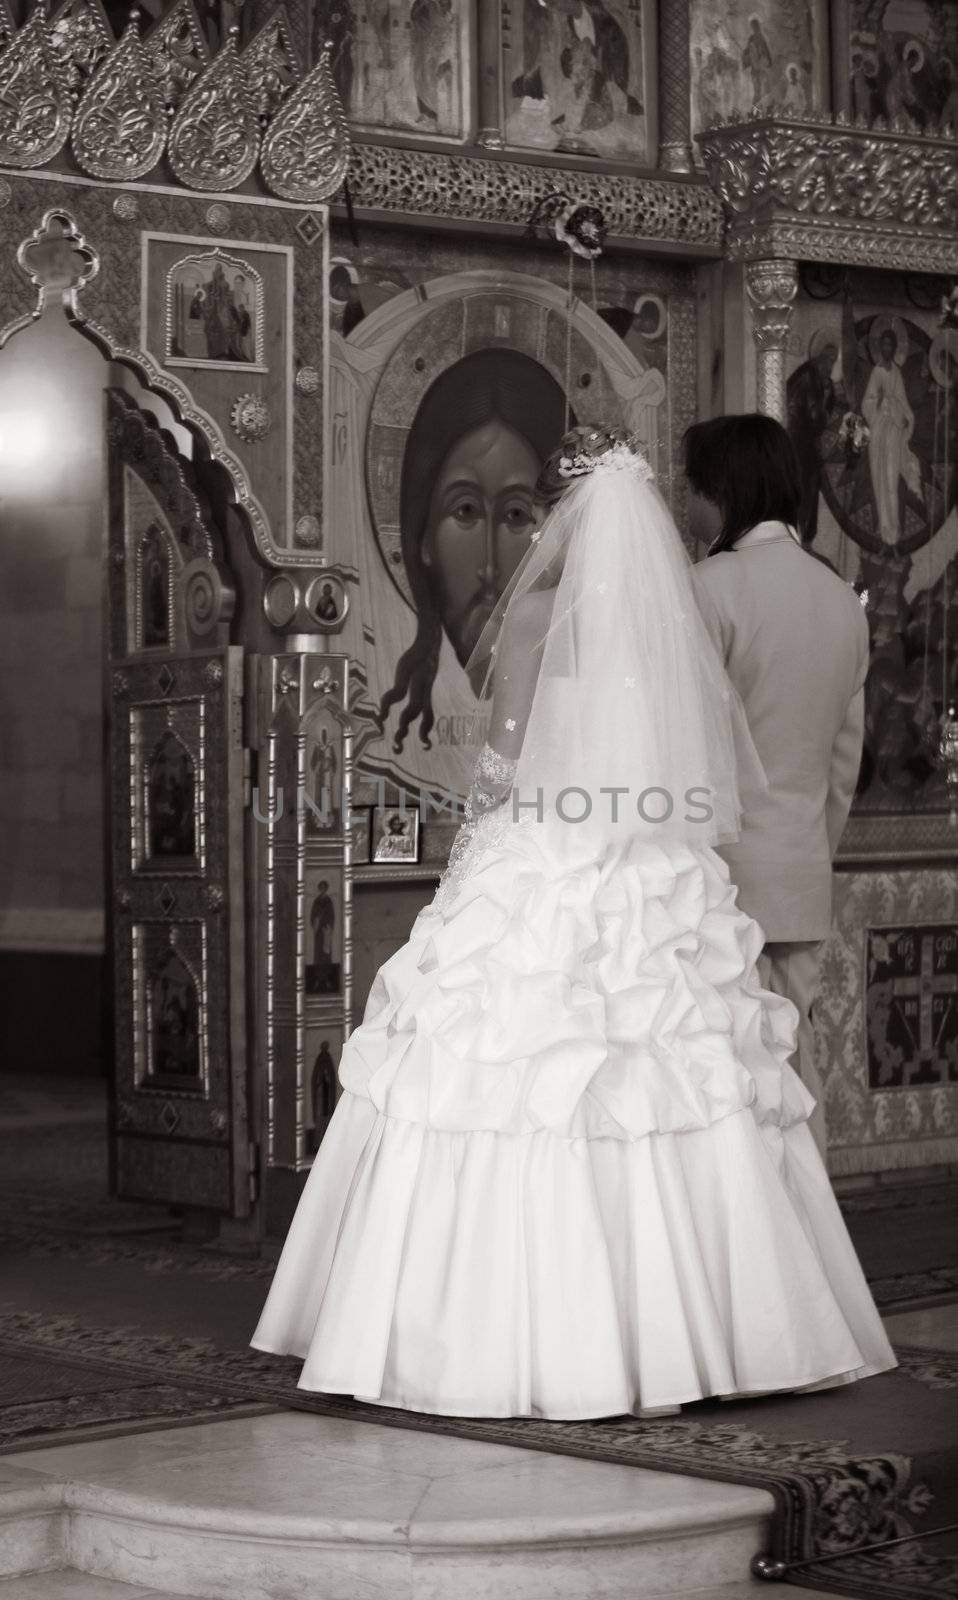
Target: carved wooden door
<point x="180" y="1121"/>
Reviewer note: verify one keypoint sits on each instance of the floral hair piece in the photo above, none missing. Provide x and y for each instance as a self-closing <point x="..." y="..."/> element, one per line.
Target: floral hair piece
<point x="605" y="447"/>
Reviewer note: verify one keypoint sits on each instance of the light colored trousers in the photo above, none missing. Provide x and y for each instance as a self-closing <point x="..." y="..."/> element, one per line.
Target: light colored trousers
<point x="792" y="970"/>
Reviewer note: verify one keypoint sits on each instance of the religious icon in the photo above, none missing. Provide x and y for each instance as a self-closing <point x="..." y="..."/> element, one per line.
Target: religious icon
<point x="323" y="813"/>
<point x="904" y="62"/>
<point x="574" y="77"/>
<point x="359" y="821"/>
<point x="324" y="1044"/>
<point x="467" y="508"/>
<point x="403" y="64"/>
<point x="876" y="436"/>
<point x="327" y="602"/>
<point x="395" y="835"/>
<point x="171" y="799"/>
<point x="911" y="1007"/>
<point x="642" y="323"/>
<point x="323" y="973"/>
<point x="751" y="55"/>
<point x="173" y="1021"/>
<point x="214" y="312"/>
<point x="154" y="577"/>
<point x="891" y="422"/>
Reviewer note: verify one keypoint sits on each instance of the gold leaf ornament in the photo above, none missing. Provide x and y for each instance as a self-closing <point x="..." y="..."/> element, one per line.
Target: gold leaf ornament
<point x="305" y="153"/>
<point x="214" y="141"/>
<point x="35" y="102"/>
<point x="121" y="123"/>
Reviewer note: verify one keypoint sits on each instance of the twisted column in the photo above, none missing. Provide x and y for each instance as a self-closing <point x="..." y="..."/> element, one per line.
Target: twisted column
<point x="675" y="116"/>
<point x="771" y="287"/>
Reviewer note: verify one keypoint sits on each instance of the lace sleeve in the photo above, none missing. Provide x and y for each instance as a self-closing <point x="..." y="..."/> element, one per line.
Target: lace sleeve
<point x="491" y="783"/>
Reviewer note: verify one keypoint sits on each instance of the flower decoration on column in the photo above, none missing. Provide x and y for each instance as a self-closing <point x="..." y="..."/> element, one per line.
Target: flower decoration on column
<point x="771" y="287"/>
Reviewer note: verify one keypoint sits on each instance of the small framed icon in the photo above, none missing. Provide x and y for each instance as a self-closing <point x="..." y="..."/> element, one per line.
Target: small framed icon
<point x="327" y="602"/>
<point x="359" y="822"/>
<point x="395" y="835"/>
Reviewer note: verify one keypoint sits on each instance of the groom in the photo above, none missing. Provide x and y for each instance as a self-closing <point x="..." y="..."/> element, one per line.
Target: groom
<point x="794" y="640"/>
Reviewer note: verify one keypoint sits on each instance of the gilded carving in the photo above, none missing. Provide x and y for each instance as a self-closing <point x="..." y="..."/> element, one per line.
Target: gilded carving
<point x="821" y="190"/>
<point x="308" y="532"/>
<point x="120" y="126"/>
<point x="214" y="140"/>
<point x="416" y="182"/>
<point x="306" y="151"/>
<point x="35" y="104"/>
<point x="250" y="418"/>
<point x="771" y="287"/>
<point x="177" y="50"/>
<point x="80" y="39"/>
<point x="56" y="257"/>
<point x="217" y="217"/>
<point x="207" y="600"/>
<point x="271" y="65"/>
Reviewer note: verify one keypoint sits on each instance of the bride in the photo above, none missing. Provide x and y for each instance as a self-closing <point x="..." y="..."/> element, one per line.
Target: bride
<point x="570" y="1174"/>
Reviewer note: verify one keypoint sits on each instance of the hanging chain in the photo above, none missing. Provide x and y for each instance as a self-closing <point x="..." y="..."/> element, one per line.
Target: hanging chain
<point x="568" y="345"/>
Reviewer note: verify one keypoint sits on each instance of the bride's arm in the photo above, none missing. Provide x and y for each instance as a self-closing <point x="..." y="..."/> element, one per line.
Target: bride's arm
<point x="518" y="655"/>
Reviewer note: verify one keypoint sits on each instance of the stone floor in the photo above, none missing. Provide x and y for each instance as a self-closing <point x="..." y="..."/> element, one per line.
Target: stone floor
<point x="281" y="1506"/>
<point x="80" y="1586"/>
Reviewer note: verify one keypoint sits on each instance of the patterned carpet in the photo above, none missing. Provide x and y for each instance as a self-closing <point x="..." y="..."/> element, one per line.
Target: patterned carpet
<point x="112" y="1318"/>
<point x="849" y="1467"/>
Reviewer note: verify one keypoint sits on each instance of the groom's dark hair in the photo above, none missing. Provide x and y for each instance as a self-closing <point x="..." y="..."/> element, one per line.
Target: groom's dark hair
<point x="747" y="466"/>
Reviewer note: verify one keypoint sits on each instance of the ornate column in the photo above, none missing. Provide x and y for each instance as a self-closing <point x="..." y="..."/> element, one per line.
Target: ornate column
<point x="675" y="137"/>
<point x="771" y="287"/>
<point x="488" y="68"/>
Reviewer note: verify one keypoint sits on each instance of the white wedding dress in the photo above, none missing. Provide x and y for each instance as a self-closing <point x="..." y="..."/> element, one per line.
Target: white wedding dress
<point x="570" y="1174"/>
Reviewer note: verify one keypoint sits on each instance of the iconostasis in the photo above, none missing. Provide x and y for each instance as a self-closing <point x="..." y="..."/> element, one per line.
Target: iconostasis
<point x="310" y="257"/>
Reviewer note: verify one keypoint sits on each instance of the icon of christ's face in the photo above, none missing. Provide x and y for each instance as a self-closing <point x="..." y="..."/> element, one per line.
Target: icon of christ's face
<point x="482" y="515"/>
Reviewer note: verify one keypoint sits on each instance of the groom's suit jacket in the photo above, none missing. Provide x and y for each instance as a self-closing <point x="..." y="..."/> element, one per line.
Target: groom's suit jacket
<point x="795" y="642"/>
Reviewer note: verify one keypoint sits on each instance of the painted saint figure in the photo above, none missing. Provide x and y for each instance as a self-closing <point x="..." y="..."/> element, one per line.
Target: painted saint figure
<point x="323" y="764"/>
<point x="891" y="420"/>
<point x="757" y="62"/>
<point x="322" y="920"/>
<point x="323" y="1089"/>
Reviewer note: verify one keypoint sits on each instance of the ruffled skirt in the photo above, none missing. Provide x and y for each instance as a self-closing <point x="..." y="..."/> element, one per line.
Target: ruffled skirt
<point x="570" y="1174"/>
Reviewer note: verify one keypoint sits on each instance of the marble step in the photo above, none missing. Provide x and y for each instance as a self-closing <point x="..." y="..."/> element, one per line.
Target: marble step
<point x="279" y="1506"/>
<point x="80" y="1586"/>
<point x="73" y="1585"/>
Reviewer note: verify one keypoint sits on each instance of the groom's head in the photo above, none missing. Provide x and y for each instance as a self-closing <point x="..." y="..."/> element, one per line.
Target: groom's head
<point x="741" y="470"/>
